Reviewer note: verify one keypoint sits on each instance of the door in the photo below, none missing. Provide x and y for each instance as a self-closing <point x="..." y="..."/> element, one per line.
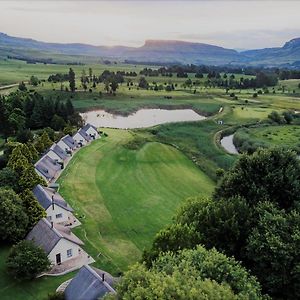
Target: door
<point x="58" y="258"/>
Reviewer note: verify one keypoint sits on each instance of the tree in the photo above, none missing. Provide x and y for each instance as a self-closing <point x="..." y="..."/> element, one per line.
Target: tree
<point x="29" y="178"/>
<point x="57" y="122"/>
<point x="72" y="80"/>
<point x="45" y="140"/>
<point x="34" y="80"/>
<point x="26" y="261"/>
<point x="183" y="276"/>
<point x="276" y="179"/>
<point x="32" y="208"/>
<point x="69" y="107"/>
<point x="22" y="87"/>
<point x="13" y="220"/>
<point x="273" y="249"/>
<point x="143" y="83"/>
<point x="8" y="179"/>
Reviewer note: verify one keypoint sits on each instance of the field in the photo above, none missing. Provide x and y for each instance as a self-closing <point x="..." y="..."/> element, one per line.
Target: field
<point x="123" y="196"/>
<point x="270" y="136"/>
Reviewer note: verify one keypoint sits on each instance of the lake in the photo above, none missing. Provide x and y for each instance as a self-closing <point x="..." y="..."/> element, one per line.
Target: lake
<point x="140" y="119"/>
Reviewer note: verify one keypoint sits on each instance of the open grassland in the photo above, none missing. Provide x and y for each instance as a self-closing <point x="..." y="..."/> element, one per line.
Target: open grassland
<point x="124" y="197"/>
<point x="10" y="289"/>
<point x="270" y="136"/>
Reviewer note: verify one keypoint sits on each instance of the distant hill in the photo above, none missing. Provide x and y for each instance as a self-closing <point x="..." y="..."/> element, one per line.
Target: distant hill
<point x="151" y="51"/>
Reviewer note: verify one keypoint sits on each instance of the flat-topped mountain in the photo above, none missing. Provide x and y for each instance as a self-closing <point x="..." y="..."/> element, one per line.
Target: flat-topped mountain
<point x="172" y="51"/>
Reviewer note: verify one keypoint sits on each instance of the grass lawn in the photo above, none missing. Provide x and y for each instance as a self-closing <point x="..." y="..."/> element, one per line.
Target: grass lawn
<point x="124" y="197"/>
<point x="37" y="289"/>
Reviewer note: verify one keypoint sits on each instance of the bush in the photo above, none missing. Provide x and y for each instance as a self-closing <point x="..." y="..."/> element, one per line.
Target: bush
<point x="26" y="261"/>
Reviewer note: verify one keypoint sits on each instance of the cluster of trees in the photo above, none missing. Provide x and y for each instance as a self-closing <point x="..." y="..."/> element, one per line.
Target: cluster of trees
<point x="20" y="210"/>
<point x="189" y="274"/>
<point x="58" y="77"/>
<point x="20" y="111"/>
<point x="255" y="219"/>
<point x="288" y="74"/>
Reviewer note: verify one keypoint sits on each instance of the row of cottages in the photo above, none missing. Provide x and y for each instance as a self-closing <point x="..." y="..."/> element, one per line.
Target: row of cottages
<point x="51" y="164"/>
<point x="56" y="240"/>
<point x="53" y="233"/>
<point x="55" y="206"/>
<point x="89" y="284"/>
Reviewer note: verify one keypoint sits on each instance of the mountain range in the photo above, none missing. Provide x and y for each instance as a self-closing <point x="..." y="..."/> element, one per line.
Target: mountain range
<point x="163" y="51"/>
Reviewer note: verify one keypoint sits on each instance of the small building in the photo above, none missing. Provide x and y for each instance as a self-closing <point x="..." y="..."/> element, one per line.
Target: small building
<point x="57" y="153"/>
<point x="57" y="241"/>
<point x="48" y="168"/>
<point x="91" y="131"/>
<point x="89" y="284"/>
<point x="57" y="209"/>
<point x="68" y="144"/>
<point x="81" y="137"/>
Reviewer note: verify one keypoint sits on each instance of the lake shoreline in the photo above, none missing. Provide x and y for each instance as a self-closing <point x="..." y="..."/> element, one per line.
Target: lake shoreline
<point x="143" y="118"/>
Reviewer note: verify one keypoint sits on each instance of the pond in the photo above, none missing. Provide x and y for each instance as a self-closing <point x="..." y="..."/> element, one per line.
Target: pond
<point x="140" y="119"/>
<point x="228" y="145"/>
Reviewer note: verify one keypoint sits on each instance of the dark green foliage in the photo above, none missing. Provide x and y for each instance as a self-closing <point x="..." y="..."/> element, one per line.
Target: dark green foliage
<point x="189" y="274"/>
<point x="276" y="117"/>
<point x="34" y="80"/>
<point x="72" y="80"/>
<point x="273" y="249"/>
<point x="213" y="265"/>
<point x="143" y="83"/>
<point x="57" y="123"/>
<point x="24" y="136"/>
<point x="26" y="261"/>
<point x="224" y="224"/>
<point x="272" y="175"/>
<point x="32" y="208"/>
<point x="13" y="220"/>
<point x="22" y="86"/>
<point x="8" y="179"/>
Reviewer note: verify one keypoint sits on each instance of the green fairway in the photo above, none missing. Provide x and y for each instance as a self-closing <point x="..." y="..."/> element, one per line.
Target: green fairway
<point x="123" y="197"/>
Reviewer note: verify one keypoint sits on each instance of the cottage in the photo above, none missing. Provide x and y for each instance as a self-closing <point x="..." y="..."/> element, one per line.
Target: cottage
<point x="91" y="131"/>
<point x="89" y="284"/>
<point x="81" y="137"/>
<point x="57" y="241"/>
<point x="68" y="144"/>
<point x="57" y="153"/>
<point x="47" y="168"/>
<point x="57" y="209"/>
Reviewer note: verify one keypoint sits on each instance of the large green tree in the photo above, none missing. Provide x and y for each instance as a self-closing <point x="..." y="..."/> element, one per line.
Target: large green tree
<point x="268" y="174"/>
<point x="183" y="276"/>
<point x="13" y="219"/>
<point x="32" y="208"/>
<point x="26" y="261"/>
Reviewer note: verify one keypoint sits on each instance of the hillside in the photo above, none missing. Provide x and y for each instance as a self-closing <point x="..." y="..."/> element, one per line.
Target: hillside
<point x="152" y="51"/>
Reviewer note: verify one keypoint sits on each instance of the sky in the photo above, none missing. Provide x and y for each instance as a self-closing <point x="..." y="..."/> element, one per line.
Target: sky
<point x="231" y="24"/>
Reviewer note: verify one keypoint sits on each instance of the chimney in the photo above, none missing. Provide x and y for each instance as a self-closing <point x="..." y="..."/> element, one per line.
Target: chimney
<point x="103" y="276"/>
<point x="52" y="198"/>
<point x="51" y="224"/>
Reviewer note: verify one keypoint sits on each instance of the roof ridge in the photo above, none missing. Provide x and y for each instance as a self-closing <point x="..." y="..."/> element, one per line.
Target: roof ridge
<point x="93" y="272"/>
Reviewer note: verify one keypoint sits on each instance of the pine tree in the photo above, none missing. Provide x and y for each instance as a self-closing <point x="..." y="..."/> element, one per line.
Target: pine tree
<point x="72" y="80"/>
<point x="32" y="208"/>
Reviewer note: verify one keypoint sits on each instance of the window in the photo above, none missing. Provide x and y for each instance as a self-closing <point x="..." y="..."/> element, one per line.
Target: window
<point x="49" y="218"/>
<point x="69" y="253"/>
<point x="58" y="216"/>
